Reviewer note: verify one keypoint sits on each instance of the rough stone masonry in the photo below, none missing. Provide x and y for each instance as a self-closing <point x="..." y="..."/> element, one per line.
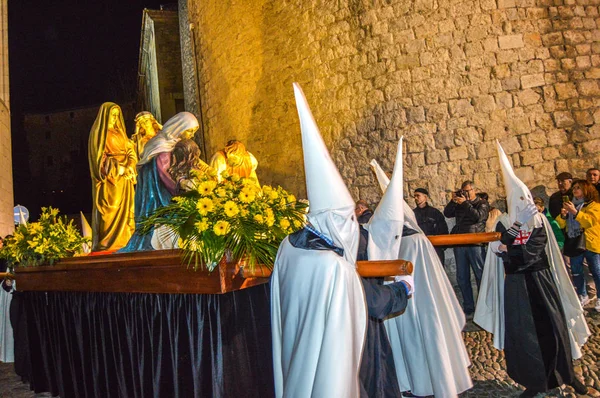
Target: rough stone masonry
<point x="450" y="76"/>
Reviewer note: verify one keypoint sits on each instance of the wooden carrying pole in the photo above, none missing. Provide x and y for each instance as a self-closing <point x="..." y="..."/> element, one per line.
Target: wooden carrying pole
<point x="464" y="239"/>
<point x="368" y="269"/>
<point x="6" y="275"/>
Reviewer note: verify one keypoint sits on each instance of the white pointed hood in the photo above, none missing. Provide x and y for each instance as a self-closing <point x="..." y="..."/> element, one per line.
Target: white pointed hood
<point x="410" y="220"/>
<point x="330" y="203"/>
<point x="86" y="230"/>
<point x="22" y="220"/>
<point x="518" y="195"/>
<point x="385" y="226"/>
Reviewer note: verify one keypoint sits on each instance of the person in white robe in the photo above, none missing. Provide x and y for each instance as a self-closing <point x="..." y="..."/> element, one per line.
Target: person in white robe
<point x="318" y="311"/>
<point x="526" y="299"/>
<point x="7" y="353"/>
<point x="429" y="353"/>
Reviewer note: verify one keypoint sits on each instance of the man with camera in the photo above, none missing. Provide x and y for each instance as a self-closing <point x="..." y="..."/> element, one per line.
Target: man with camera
<point x="471" y="213"/>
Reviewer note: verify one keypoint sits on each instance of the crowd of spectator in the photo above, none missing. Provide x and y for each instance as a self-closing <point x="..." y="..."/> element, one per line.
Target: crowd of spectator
<point x="573" y="212"/>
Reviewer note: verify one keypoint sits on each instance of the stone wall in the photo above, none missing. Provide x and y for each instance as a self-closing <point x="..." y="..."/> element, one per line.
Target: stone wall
<point x="450" y="76"/>
<point x="6" y="179"/>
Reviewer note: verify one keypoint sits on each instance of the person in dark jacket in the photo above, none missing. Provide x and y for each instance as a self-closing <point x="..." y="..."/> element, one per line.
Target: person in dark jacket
<point x="430" y="219"/>
<point x="555" y="203"/>
<point x="363" y="212"/>
<point x="471" y="213"/>
<point x="593" y="177"/>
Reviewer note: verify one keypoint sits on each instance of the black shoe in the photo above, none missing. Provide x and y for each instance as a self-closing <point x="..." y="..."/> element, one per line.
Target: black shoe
<point x="528" y="393"/>
<point x="579" y="387"/>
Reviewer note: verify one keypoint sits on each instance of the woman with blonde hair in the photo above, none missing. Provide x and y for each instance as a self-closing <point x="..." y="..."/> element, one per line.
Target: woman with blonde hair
<point x="582" y="215"/>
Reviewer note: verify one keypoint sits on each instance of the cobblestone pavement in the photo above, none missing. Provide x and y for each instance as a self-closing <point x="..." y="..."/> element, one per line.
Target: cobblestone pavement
<point x="488" y="369"/>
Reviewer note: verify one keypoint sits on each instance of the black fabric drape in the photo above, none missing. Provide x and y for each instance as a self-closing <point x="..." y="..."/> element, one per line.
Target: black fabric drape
<point x="151" y="345"/>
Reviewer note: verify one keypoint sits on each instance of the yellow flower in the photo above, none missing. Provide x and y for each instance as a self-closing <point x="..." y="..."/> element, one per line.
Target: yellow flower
<point x="284" y="223"/>
<point x="204" y="206"/>
<point x="202" y="225"/>
<point x="267" y="189"/>
<point x="207" y="187"/>
<point x="291" y="199"/>
<point x="259" y="218"/>
<point x="273" y="195"/>
<point x="270" y="221"/>
<point x="32" y="243"/>
<point x="244" y="212"/>
<point x="221" y="192"/>
<point x="297" y="224"/>
<point x="235" y="177"/>
<point x="247" y="195"/>
<point x="231" y="209"/>
<point x="221" y="228"/>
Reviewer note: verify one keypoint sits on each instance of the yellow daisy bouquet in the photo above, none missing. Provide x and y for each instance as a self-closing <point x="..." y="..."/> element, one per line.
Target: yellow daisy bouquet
<point x="234" y="217"/>
<point x="43" y="242"/>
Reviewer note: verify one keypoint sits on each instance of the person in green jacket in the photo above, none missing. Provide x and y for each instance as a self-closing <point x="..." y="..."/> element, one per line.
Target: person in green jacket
<point x="560" y="237"/>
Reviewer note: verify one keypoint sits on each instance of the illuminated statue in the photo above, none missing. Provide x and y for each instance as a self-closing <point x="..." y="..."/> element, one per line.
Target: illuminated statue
<point x="146" y="127"/>
<point x="155" y="186"/>
<point x="112" y="166"/>
<point x="185" y="159"/>
<point x="236" y="160"/>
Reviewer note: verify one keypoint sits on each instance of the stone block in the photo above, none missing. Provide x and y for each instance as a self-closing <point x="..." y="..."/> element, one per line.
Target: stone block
<point x="511" y="83"/>
<point x="537" y="140"/>
<point x="588" y="87"/>
<point x="553" y="39"/>
<point x="507" y="56"/>
<point x="508" y="42"/>
<point x="583" y="62"/>
<point x="528" y="97"/>
<point x="437" y="112"/>
<point x="566" y="90"/>
<point x="461" y="107"/>
<point x="525" y="174"/>
<point x="550" y="153"/>
<point x="591" y="147"/>
<point x="531" y="157"/>
<point x="504" y="100"/>
<point x="535" y="80"/>
<point x="467" y="135"/>
<point x="573" y="37"/>
<point x="563" y="119"/>
<point x="484" y="103"/>
<point x="436" y="156"/>
<point x="458" y="153"/>
<point x="583" y="118"/>
<point x="557" y="137"/>
<point x="593" y="73"/>
<point x="506" y="3"/>
<point x="415" y="114"/>
<point x="511" y="145"/>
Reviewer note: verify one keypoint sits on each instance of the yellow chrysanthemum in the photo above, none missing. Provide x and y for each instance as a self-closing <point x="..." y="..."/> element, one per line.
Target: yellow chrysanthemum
<point x="207" y="187"/>
<point x="297" y="224"/>
<point x="267" y="189"/>
<point x="202" y="225"/>
<point x="291" y="199"/>
<point x="244" y="212"/>
<point x="221" y="192"/>
<point x="231" y="209"/>
<point x="270" y="221"/>
<point x="273" y="195"/>
<point x="204" y="206"/>
<point x="247" y="195"/>
<point x="221" y="228"/>
<point x="235" y="177"/>
<point x="259" y="218"/>
<point x="284" y="223"/>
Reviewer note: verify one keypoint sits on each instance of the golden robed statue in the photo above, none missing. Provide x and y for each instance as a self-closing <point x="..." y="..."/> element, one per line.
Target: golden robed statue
<point x="236" y="160"/>
<point x="112" y="166"/>
<point x="146" y="127"/>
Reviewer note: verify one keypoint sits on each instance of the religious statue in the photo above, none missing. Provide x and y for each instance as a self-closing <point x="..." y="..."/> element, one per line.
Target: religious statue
<point x="146" y="127"/>
<point x="235" y="159"/>
<point x="185" y="159"/>
<point x="155" y="185"/>
<point x="112" y="166"/>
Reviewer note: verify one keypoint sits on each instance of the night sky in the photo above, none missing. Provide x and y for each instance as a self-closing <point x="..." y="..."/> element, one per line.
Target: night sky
<point x="69" y="54"/>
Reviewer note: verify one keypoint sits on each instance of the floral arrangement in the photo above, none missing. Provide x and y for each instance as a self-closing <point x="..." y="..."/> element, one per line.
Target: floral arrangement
<point x="43" y="242"/>
<point x="234" y="217"/>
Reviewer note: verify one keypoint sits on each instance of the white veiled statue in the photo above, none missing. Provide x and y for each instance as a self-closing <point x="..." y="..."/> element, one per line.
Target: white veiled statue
<point x="318" y="309"/>
<point x="429" y="352"/>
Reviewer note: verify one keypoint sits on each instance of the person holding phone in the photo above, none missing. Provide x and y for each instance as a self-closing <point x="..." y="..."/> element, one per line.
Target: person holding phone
<point x="564" y="181"/>
<point x="582" y="216"/>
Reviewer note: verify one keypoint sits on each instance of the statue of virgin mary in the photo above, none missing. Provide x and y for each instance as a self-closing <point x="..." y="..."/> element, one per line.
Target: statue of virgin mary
<point x="112" y="162"/>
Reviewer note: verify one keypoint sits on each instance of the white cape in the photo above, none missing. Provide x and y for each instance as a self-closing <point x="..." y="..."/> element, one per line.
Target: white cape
<point x="6" y="331"/>
<point x="429" y="351"/>
<point x="318" y="323"/>
<point x="489" y="313"/>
